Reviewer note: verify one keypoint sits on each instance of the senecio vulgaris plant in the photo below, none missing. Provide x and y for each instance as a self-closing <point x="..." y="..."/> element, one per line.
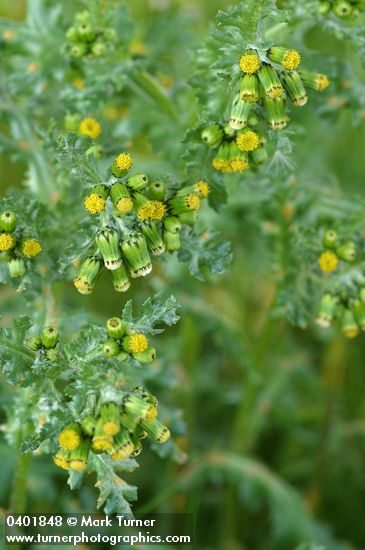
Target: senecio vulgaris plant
<point x="92" y="208"/>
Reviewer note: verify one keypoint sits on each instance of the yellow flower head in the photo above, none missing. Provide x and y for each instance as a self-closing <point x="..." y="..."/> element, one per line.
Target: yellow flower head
<point x="164" y="435"/>
<point x="247" y="140"/>
<point x="351" y="332"/>
<point x="94" y="203"/>
<point x="124" y="161"/>
<point x="328" y="261"/>
<point x="61" y="461"/>
<point x="159" y="210"/>
<point x="31" y="248"/>
<point x="291" y="60"/>
<point x="111" y="427"/>
<point x="238" y="164"/>
<point x="138" y="343"/>
<point x="78" y="83"/>
<point x="250" y="63"/>
<point x="220" y="164"/>
<point x="323" y="82"/>
<point x="151" y="414"/>
<point x="90" y="127"/>
<point x="202" y="188"/>
<point x="152" y="210"/>
<point x="192" y="201"/>
<point x="69" y="439"/>
<point x="124" y="452"/>
<point x="101" y="443"/>
<point x="6" y="242"/>
<point x="78" y="464"/>
<point x="124" y="205"/>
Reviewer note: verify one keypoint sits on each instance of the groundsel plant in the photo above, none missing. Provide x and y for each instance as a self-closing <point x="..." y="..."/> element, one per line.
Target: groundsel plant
<point x="107" y="193"/>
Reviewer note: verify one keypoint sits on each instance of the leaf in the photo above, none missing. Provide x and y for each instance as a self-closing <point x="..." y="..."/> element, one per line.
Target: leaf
<point x="205" y="253"/>
<point x="155" y="311"/>
<point x="115" y="493"/>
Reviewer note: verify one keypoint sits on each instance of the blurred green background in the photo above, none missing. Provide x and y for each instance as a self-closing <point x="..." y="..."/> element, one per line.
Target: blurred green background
<point x="275" y="415"/>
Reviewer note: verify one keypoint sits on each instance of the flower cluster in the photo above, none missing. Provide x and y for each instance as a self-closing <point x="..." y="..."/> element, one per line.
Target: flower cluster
<point x="341" y="8"/>
<point x="335" y="249"/>
<point x="237" y="150"/>
<point x="345" y="301"/>
<point x="139" y="218"/>
<point x="88" y="38"/>
<point x="16" y="247"/>
<point x="268" y="81"/>
<point x="115" y="429"/>
<point x="124" y="343"/>
<point x="46" y="345"/>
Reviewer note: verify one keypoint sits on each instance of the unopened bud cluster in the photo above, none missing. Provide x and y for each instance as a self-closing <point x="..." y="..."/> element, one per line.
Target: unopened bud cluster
<point x="114" y="429"/>
<point x="46" y="344"/>
<point x="345" y="9"/>
<point x="346" y="304"/>
<point x="145" y="220"/>
<point x="269" y="81"/>
<point x="89" y="38"/>
<point x="236" y="150"/>
<point x="16" y="247"/>
<point x="123" y="343"/>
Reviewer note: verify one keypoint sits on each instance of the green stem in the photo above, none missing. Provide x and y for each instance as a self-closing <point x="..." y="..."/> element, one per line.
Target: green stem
<point x="19" y="486"/>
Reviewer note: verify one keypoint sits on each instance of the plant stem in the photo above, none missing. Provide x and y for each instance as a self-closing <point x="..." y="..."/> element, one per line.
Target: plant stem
<point x="19" y="486"/>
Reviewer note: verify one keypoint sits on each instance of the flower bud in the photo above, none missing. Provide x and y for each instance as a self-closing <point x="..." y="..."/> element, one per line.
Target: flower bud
<point x="34" y="343"/>
<point x="157" y="190"/>
<point x="348" y="323"/>
<point x="138" y="408"/>
<point x="70" y="436"/>
<point x="86" y="32"/>
<point x="189" y="218"/>
<point x="324" y="8"/>
<point x="7" y="242"/>
<point x="250" y="62"/>
<point x="61" y="459"/>
<point x="115" y="328"/>
<point x="289" y="59"/>
<point x="184" y="202"/>
<point x="110" y="419"/>
<point x="237" y="159"/>
<point x="122" y="356"/>
<point x="275" y="110"/>
<point x="153" y="237"/>
<point x="107" y="241"/>
<point x="79" y="49"/>
<point x="72" y="34"/>
<point x="53" y="355"/>
<point x="137" y="446"/>
<point x="212" y="135"/>
<point x="327" y="309"/>
<point x="96" y="150"/>
<point x="156" y="430"/>
<point x="78" y="457"/>
<point x="122" y="165"/>
<point x="342" y="8"/>
<point x="239" y="113"/>
<point x="88" y="274"/>
<point x="7" y="221"/>
<point x="134" y="248"/>
<point x="145" y="357"/>
<point x="201" y="188"/>
<point x="172" y="241"/>
<point x="259" y="155"/>
<point x="357" y="307"/>
<point x="88" y="425"/>
<point x="330" y="238"/>
<point x="50" y="337"/>
<point x="72" y="122"/>
<point x="270" y="81"/>
<point x="99" y="48"/>
<point x="100" y="441"/>
<point x="121" y="198"/>
<point x="295" y="88"/>
<point x="249" y="88"/>
<point x="110" y="348"/>
<point x="138" y="182"/>
<point x="172" y="224"/>
<point x="347" y="251"/>
<point x="121" y="280"/>
<point x="122" y="446"/>
<point x="16" y="267"/>
<point x="314" y="81"/>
